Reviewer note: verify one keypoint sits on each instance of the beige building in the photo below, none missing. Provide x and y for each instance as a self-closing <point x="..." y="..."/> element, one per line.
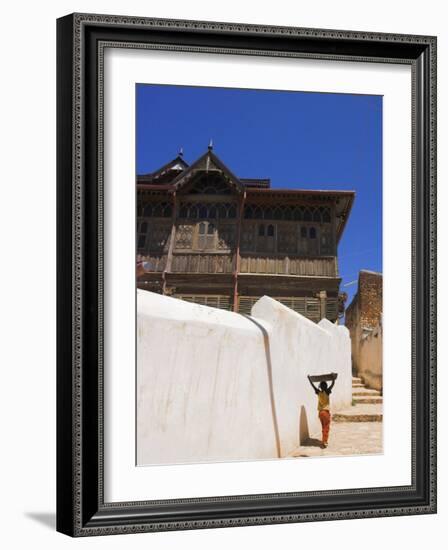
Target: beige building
<point x="363" y="318"/>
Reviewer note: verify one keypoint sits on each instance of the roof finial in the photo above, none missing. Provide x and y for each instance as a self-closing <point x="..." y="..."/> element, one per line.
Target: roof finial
<point x="181" y="152"/>
<point x="210" y="145"/>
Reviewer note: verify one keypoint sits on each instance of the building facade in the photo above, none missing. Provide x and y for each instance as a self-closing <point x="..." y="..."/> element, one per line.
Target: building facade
<point x="363" y="318"/>
<point x="209" y="237"/>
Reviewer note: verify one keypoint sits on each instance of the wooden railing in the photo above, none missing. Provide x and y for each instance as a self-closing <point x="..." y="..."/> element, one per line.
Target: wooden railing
<point x="256" y="264"/>
<point x="202" y="263"/>
<point x="155" y="263"/>
<point x="284" y="265"/>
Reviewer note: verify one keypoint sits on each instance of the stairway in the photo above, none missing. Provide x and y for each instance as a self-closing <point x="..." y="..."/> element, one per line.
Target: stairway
<point x="367" y="405"/>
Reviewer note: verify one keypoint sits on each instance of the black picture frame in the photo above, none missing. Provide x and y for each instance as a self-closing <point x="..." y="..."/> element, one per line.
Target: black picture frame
<point x="81" y="510"/>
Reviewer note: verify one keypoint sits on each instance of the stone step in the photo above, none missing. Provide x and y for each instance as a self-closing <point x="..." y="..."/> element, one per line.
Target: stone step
<point x="340" y="417"/>
<point x="356" y="380"/>
<point x="359" y="413"/>
<point x="366" y="391"/>
<point x="366" y="399"/>
<point x="358" y="386"/>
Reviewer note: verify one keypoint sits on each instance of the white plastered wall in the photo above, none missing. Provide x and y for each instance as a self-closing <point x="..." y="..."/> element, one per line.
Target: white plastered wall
<point x="214" y="385"/>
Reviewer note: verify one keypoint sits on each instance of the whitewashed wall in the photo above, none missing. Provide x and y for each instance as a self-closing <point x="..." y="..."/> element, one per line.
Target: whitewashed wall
<point x="215" y="385"/>
<point x="370" y="363"/>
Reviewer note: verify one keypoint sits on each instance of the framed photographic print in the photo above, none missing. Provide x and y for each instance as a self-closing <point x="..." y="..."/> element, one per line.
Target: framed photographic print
<point x="246" y="274"/>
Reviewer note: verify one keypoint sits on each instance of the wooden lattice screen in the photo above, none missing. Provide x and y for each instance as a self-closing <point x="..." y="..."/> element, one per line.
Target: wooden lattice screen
<point x="218" y="301"/>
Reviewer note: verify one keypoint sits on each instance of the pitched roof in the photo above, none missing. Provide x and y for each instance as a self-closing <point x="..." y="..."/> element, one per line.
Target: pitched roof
<point x="166" y="174"/>
<point x="255" y="188"/>
<point x="208" y="162"/>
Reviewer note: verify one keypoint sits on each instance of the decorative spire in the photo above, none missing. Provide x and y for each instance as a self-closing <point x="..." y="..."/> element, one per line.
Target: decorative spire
<point x="210" y="145"/>
<point x="181" y="152"/>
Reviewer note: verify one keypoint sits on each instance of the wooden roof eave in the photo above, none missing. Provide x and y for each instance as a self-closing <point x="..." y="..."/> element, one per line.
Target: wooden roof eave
<point x="155" y="187"/>
<point x="151" y="176"/>
<point x="299" y="195"/>
<point x="345" y="215"/>
<point x="183" y="178"/>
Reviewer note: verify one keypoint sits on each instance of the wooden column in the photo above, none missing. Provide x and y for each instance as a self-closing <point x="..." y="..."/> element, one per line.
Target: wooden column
<point x="323" y="304"/>
<point x="237" y="253"/>
<point x="169" y="259"/>
<point x="334" y="236"/>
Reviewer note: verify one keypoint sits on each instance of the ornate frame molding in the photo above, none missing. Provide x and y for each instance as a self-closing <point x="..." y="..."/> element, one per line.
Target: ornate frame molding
<point x="82" y="39"/>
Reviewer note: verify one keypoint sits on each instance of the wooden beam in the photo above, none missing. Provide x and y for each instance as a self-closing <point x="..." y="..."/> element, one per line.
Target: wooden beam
<point x="323" y="304"/>
<point x="237" y="254"/>
<point x="169" y="259"/>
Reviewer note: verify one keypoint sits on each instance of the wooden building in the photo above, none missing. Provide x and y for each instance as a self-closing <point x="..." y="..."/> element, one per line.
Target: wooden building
<point x="210" y="237"/>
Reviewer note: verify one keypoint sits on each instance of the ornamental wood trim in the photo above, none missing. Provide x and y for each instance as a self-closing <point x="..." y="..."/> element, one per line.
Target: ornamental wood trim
<point x="172" y="242"/>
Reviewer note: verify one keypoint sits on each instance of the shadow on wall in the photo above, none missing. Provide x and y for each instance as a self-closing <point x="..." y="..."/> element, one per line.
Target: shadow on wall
<point x="232" y="387"/>
<point x="267" y="349"/>
<point x="304" y="432"/>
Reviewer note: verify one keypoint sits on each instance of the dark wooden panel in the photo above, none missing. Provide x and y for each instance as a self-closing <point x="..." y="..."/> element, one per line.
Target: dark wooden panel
<point x="202" y="263"/>
<point x="275" y="265"/>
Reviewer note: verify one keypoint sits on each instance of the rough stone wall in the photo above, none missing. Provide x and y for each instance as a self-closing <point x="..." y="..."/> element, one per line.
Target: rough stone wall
<point x="370" y="291"/>
<point x="363" y="317"/>
<point x="371" y="358"/>
<point x="354" y="326"/>
<point x="216" y="385"/>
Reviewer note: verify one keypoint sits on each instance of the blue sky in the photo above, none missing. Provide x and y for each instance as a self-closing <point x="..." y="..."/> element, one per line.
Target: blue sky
<point x="297" y="139"/>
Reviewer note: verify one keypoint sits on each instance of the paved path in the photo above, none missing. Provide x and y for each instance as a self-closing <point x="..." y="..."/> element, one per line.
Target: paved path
<point x="357" y="430"/>
<point x="346" y="438"/>
<point x="360" y="413"/>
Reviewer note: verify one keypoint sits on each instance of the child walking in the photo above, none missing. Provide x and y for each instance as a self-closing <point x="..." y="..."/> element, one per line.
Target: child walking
<point x="323" y="407"/>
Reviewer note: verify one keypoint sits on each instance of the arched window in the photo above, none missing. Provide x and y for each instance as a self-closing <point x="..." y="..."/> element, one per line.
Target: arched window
<point x="141" y="241"/>
<point x="248" y="212"/>
<point x="278" y="214"/>
<point x="203" y="211"/>
<point x="303" y="232"/>
<point x="258" y="213"/>
<point x="143" y="230"/>
<point x="326" y="217"/>
<point x="157" y="210"/>
<point x="316" y="216"/>
<point x="183" y="213"/>
<point x="210" y="185"/>
<point x="269" y="244"/>
<point x="307" y="215"/>
<point x="313" y="243"/>
<point x="266" y="240"/>
<point x="326" y="241"/>
<point x="222" y="211"/>
<point x="206" y="236"/>
<point x="231" y="213"/>
<point x="298" y="214"/>
<point x="268" y="213"/>
<point x="213" y="212"/>
<point x="193" y="212"/>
